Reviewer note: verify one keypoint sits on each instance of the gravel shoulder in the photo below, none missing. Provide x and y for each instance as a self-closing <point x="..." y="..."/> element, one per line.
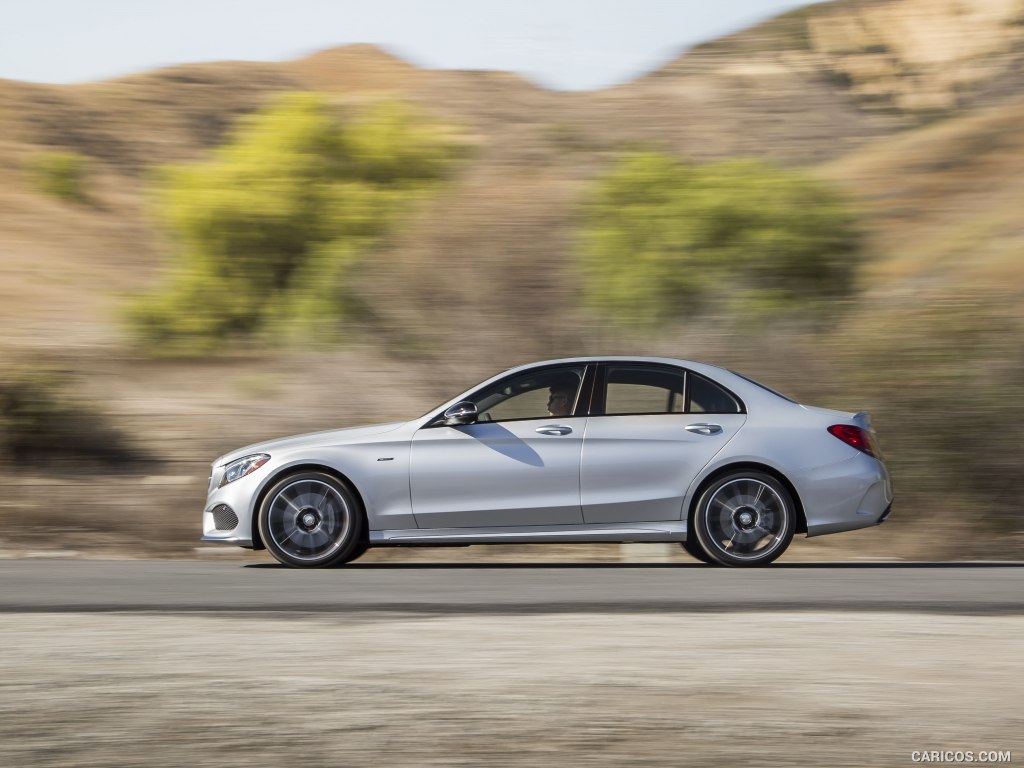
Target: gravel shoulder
<point x="836" y="689"/>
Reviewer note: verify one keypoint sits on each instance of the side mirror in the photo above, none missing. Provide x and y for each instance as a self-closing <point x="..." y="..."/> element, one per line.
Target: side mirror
<point x="460" y="413"/>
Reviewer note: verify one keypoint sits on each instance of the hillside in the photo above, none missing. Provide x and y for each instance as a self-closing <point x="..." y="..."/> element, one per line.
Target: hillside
<point x="912" y="107"/>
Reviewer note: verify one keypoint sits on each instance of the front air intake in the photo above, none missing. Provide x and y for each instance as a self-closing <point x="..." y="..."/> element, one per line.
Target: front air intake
<point x="224" y="518"/>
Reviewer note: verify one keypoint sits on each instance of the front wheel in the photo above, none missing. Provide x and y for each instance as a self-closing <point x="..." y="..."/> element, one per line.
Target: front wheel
<point x="745" y="519"/>
<point x="311" y="520"/>
<point x="693" y="549"/>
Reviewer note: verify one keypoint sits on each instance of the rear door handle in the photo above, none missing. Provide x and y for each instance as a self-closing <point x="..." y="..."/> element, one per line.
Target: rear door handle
<point x="704" y="429"/>
<point x="554" y="429"/>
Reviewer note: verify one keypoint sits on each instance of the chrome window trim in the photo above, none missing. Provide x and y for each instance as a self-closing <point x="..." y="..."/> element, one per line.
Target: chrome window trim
<point x="687" y="373"/>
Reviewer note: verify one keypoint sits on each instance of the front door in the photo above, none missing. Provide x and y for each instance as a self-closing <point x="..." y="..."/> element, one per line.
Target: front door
<point x="518" y="465"/>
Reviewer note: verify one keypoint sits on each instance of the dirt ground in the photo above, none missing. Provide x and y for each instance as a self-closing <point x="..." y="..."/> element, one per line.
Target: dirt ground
<point x="594" y="690"/>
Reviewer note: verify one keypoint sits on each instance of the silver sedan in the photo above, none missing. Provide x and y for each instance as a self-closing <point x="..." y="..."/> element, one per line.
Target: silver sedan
<point x="596" y="449"/>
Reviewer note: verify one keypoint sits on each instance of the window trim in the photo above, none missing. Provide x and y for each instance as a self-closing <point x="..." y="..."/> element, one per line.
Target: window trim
<point x="600" y="400"/>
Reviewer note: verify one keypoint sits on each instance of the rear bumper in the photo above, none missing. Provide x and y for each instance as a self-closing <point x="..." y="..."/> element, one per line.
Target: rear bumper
<point x="844" y="497"/>
<point x="885" y="515"/>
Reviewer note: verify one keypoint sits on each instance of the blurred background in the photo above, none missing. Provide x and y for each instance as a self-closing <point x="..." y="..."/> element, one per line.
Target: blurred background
<point x="204" y="255"/>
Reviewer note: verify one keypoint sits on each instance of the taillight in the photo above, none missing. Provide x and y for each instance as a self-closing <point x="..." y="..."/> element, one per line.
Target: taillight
<point x="854" y="436"/>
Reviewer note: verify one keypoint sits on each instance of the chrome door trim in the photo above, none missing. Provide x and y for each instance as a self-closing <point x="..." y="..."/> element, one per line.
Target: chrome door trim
<point x="704" y="429"/>
<point x="554" y="429"/>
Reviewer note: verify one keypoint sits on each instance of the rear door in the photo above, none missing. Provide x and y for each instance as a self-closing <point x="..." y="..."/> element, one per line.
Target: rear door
<point x="656" y="426"/>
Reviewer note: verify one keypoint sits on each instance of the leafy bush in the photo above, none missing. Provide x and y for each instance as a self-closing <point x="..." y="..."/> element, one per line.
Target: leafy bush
<point x="42" y="422"/>
<point x="663" y="238"/>
<point x="949" y="378"/>
<point x="63" y="175"/>
<point x="271" y="226"/>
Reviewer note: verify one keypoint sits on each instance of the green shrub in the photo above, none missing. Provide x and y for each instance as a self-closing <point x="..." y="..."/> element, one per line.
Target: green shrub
<point x="663" y="239"/>
<point x="41" y="421"/>
<point x="63" y="175"/>
<point x="270" y="227"/>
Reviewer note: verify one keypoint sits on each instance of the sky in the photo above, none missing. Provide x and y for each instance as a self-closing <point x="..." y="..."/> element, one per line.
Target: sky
<point x="563" y="44"/>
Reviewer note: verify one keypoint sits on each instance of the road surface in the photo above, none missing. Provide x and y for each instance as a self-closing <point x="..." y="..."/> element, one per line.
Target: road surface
<point x="167" y="586"/>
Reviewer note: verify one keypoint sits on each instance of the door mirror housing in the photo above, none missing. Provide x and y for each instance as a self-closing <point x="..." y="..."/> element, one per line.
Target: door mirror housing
<point x="461" y="413"/>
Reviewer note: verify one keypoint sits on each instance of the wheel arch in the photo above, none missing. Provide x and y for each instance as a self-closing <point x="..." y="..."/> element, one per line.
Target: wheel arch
<point x="800" y="525"/>
<point x="257" y="540"/>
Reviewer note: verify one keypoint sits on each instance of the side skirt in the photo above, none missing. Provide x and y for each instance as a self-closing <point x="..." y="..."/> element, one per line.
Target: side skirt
<point x="672" y="530"/>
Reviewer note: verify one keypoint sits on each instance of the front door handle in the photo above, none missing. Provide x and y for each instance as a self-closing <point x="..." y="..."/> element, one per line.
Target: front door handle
<point x="554" y="429"/>
<point x="704" y="429"/>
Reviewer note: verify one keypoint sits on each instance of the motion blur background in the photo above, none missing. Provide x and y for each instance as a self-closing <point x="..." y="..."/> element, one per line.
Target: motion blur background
<point x="205" y="255"/>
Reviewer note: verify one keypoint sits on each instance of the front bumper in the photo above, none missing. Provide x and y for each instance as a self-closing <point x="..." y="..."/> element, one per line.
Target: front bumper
<point x="235" y="540"/>
<point x="240" y="498"/>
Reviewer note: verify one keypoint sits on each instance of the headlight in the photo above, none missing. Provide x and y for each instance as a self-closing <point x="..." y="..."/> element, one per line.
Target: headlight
<point x="242" y="467"/>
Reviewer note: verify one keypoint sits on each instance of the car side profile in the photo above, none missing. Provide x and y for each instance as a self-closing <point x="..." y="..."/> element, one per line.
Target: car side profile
<point x="594" y="449"/>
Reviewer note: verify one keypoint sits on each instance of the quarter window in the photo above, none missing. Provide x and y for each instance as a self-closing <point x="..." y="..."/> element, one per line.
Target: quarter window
<point x="708" y="397"/>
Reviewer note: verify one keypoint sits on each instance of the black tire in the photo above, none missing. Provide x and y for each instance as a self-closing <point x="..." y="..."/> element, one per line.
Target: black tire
<point x="744" y="519"/>
<point x="693" y="550"/>
<point x="311" y="520"/>
<point x="361" y="549"/>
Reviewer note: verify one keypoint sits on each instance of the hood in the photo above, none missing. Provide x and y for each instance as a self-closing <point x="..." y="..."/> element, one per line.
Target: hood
<point x="310" y="439"/>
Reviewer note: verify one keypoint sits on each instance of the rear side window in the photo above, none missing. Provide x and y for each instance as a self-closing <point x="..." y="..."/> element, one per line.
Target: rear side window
<point x="642" y="389"/>
<point x="708" y="397"/>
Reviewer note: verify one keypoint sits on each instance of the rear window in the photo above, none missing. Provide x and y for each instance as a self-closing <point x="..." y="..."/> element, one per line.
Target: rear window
<point x="762" y="386"/>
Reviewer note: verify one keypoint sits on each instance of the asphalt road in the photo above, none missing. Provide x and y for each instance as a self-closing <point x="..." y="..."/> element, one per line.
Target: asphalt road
<point x="162" y="586"/>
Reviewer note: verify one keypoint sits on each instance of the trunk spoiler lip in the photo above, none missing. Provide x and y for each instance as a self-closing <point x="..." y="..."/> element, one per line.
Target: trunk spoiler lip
<point x="863" y="420"/>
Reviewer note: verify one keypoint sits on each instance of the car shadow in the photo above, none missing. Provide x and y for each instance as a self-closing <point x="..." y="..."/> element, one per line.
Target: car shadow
<point x="501" y="440"/>
<point x="904" y="564"/>
<point x="651" y="566"/>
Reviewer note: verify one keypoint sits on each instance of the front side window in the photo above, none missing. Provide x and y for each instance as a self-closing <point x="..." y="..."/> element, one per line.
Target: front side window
<point x="644" y="389"/>
<point x="551" y="392"/>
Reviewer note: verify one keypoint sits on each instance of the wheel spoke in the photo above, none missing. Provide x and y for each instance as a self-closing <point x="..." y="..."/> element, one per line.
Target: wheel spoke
<point x="731" y="509"/>
<point x="760" y="490"/>
<point x="291" y="535"/>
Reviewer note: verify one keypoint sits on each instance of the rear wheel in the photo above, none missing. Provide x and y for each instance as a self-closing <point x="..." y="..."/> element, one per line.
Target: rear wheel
<point x="745" y="519"/>
<point x="311" y="520"/>
<point x="359" y="551"/>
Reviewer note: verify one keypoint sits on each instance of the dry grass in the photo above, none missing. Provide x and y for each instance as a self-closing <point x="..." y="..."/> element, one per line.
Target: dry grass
<point x="587" y="690"/>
